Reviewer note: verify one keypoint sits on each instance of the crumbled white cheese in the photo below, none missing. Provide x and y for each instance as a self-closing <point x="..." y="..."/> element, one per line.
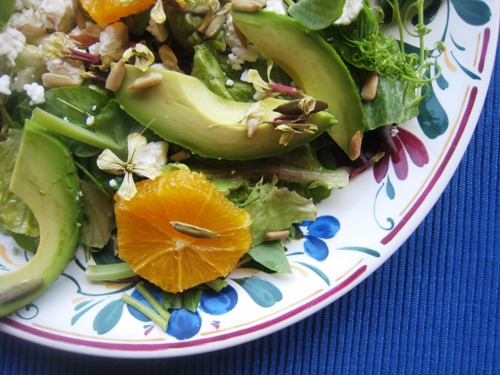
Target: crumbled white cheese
<point x="29" y="21"/>
<point x="276" y="6"/>
<point x="154" y="153"/>
<point x="11" y="44"/>
<point x="59" y="14"/>
<point x="112" y="183"/>
<point x="158" y="30"/>
<point x="239" y="54"/>
<point x="5" y="85"/>
<point x="113" y="41"/>
<point x="36" y="93"/>
<point x="68" y="67"/>
<point x="229" y="82"/>
<point x="90" y="120"/>
<point x="22" y="4"/>
<point x="350" y="12"/>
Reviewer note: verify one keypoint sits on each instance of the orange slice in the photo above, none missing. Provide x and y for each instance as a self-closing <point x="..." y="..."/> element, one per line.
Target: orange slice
<point x="180" y="231"/>
<point x="105" y="12"/>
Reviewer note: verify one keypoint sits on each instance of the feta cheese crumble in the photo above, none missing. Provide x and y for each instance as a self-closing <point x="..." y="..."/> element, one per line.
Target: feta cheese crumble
<point x="36" y="93"/>
<point x="239" y="54"/>
<point x="11" y="44"/>
<point x="350" y="12"/>
<point x="5" y="85"/>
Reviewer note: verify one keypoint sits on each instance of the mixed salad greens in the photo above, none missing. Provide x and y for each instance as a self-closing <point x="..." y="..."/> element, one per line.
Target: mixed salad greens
<point x="298" y="94"/>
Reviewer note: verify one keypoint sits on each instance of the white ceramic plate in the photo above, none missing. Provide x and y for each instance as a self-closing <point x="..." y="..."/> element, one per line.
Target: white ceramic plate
<point x="358" y="228"/>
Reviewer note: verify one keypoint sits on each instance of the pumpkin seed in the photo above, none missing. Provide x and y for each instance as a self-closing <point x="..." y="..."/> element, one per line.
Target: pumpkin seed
<point x="20" y="290"/>
<point x="193" y="230"/>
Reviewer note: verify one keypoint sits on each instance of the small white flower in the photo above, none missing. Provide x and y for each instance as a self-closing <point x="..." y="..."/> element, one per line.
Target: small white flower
<point x="143" y="56"/>
<point x="149" y="167"/>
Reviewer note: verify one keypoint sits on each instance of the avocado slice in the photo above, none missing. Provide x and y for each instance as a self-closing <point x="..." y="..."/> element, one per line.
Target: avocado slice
<point x="312" y="63"/>
<point x="182" y="110"/>
<point x="45" y="178"/>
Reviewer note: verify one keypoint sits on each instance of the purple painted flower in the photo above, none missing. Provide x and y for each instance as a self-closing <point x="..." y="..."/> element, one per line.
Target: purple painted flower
<point x="324" y="227"/>
<point x="406" y="143"/>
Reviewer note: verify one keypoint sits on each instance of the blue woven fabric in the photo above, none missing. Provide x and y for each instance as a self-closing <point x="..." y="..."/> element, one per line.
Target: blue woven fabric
<point x="433" y="308"/>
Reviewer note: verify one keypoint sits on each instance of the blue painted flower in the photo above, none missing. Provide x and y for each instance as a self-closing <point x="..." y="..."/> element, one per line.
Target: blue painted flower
<point x="324" y="227"/>
<point x="184" y="324"/>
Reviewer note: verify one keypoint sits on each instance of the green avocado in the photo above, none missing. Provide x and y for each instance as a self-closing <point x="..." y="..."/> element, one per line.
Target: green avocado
<point x="182" y="110"/>
<point x="312" y="63"/>
<point x="45" y="178"/>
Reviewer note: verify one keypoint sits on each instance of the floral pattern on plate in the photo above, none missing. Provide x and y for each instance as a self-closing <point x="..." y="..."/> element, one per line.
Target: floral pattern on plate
<point x="357" y="229"/>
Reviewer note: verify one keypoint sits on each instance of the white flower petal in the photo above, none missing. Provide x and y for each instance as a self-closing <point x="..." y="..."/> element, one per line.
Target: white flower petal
<point x="135" y="142"/>
<point x="111" y="163"/>
<point x="127" y="189"/>
<point x="158" y="13"/>
<point x="258" y="83"/>
<point x="149" y="171"/>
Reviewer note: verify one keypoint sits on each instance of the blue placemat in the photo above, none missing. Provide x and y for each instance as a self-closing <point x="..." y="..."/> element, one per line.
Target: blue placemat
<point x="433" y="308"/>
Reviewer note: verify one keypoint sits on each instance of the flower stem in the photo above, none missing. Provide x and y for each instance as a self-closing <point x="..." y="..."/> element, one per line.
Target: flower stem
<point x="155" y="317"/>
<point x="109" y="272"/>
<point x="152" y="301"/>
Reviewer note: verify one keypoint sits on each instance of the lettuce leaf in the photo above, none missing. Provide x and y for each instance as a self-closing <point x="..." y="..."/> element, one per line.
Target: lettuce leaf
<point x="15" y="216"/>
<point x="273" y="209"/>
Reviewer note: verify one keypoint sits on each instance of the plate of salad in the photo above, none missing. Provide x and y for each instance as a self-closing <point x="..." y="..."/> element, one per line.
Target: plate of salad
<point x="182" y="176"/>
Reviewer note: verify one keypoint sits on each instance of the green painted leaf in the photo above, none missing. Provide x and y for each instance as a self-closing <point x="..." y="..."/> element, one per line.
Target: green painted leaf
<point x="317" y="14"/>
<point x="261" y="291"/>
<point x="271" y="254"/>
<point x="317" y="271"/>
<point x="474" y="12"/>
<point x="465" y="70"/>
<point x="107" y="318"/>
<point x="432" y="117"/>
<point x="389" y="189"/>
<point x="83" y="312"/>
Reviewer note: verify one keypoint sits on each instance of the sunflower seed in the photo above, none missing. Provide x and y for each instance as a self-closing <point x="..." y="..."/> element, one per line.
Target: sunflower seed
<point x="180" y="156"/>
<point x="53" y="80"/>
<point x="369" y="89"/>
<point x="355" y="146"/>
<point x="167" y="57"/>
<point x="247" y="5"/>
<point x="277" y="235"/>
<point x="215" y="26"/>
<point x="145" y="81"/>
<point x="115" y="78"/>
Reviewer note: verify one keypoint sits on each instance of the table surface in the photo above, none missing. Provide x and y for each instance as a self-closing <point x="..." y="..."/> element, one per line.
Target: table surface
<point x="432" y="308"/>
